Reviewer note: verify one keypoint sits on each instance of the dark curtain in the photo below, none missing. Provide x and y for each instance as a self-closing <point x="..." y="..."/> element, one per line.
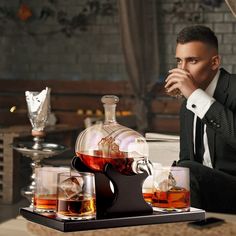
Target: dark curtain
<point x="139" y="40"/>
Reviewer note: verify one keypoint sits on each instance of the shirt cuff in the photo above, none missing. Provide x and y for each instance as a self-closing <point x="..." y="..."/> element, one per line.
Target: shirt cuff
<point x="199" y="102"/>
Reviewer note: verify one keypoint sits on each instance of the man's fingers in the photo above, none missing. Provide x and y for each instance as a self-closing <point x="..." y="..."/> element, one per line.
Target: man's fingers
<point x="173" y="78"/>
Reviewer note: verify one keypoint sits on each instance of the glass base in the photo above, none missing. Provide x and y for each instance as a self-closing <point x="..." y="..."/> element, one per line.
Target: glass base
<point x="78" y="217"/>
<point x="169" y="210"/>
<point x="40" y="210"/>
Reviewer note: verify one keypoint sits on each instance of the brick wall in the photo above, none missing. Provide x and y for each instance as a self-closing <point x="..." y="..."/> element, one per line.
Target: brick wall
<point x="92" y="54"/>
<point x="189" y="12"/>
<point x="96" y="53"/>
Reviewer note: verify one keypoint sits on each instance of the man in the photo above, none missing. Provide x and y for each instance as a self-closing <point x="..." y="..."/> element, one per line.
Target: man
<point x="210" y="101"/>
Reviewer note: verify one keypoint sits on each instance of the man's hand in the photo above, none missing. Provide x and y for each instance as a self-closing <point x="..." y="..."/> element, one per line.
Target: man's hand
<point x="182" y="80"/>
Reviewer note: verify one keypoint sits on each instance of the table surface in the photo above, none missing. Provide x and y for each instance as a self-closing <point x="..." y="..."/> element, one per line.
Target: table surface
<point x="22" y="227"/>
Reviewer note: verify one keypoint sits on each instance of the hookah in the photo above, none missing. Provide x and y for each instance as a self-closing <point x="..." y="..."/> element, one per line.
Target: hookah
<point x="38" y="104"/>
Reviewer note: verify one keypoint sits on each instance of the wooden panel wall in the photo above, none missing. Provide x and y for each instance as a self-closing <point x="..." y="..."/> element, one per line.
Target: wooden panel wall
<point x="73" y="101"/>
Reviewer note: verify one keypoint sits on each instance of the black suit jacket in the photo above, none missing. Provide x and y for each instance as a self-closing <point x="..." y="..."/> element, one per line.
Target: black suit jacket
<point x="220" y="121"/>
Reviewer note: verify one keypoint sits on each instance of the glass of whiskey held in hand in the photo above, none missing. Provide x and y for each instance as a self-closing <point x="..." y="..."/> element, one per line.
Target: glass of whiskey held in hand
<point x="171" y="191"/>
<point x="175" y="93"/>
<point x="76" y="196"/>
<point x="45" y="193"/>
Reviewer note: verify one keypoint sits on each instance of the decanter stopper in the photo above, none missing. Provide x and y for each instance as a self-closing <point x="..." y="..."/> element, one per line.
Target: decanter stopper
<point x="109" y="103"/>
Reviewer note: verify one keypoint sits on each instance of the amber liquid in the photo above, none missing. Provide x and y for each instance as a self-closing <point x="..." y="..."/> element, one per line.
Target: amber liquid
<point x="45" y="202"/>
<point x="175" y="93"/>
<point x="76" y="208"/>
<point x="148" y="197"/>
<point x="97" y="162"/>
<point x="174" y="198"/>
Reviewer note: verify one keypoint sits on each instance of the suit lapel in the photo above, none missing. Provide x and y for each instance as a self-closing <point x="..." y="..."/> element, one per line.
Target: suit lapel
<point x="221" y="95"/>
<point x="221" y="91"/>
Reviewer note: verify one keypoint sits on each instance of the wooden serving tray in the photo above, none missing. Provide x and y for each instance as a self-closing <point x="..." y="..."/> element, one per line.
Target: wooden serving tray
<point x="101" y="223"/>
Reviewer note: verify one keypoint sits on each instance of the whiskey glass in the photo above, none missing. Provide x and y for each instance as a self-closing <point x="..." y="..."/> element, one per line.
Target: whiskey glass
<point x="45" y="193"/>
<point x="76" y="196"/>
<point x="171" y="189"/>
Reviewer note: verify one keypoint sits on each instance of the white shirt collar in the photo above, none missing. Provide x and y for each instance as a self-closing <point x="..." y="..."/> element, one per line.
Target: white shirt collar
<point x="212" y="86"/>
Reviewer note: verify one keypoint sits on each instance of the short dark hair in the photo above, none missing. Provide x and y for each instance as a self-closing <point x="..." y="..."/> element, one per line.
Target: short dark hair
<point x="197" y="33"/>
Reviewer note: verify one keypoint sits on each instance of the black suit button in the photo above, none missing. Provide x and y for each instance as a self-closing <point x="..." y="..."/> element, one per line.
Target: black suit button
<point x="194" y="106"/>
<point x="218" y="125"/>
<point x="211" y="121"/>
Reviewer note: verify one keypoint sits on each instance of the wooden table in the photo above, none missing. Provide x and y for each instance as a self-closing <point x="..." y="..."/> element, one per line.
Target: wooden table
<point x="9" y="185"/>
<point x="21" y="227"/>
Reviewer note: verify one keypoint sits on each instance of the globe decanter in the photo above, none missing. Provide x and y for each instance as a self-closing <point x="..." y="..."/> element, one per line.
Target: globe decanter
<point x="109" y="142"/>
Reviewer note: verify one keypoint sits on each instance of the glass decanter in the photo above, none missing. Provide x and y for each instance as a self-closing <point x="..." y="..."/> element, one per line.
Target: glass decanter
<point x="113" y="143"/>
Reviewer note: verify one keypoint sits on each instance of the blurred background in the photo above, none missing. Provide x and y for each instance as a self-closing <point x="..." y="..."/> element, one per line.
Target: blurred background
<point x="83" y="49"/>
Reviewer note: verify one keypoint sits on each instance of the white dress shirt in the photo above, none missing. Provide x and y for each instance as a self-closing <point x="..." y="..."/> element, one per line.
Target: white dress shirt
<point x="199" y="102"/>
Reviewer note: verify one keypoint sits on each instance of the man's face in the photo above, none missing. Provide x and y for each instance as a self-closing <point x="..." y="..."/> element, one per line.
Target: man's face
<point x="200" y="60"/>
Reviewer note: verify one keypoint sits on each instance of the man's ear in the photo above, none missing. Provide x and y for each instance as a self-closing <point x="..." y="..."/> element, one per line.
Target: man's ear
<point x="215" y="62"/>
